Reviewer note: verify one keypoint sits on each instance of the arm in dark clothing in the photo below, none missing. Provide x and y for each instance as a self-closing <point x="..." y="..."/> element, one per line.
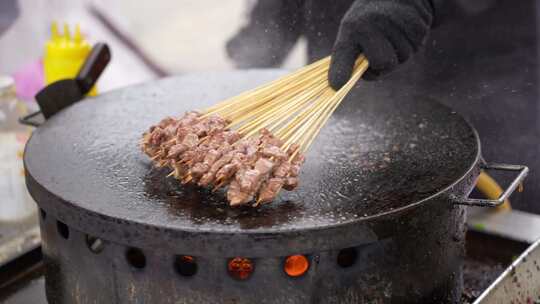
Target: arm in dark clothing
<point x="273" y="29"/>
<point x="387" y="32"/>
<point x="9" y="12"/>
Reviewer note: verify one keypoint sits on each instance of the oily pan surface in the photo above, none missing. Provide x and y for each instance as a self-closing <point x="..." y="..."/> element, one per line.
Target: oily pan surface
<point x="380" y="151"/>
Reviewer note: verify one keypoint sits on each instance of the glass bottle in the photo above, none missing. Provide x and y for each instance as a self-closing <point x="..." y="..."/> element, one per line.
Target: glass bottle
<point x="15" y="202"/>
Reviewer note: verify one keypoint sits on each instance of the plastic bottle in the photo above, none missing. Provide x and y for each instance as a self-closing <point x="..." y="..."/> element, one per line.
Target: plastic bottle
<point x="15" y="202"/>
<point x="65" y="54"/>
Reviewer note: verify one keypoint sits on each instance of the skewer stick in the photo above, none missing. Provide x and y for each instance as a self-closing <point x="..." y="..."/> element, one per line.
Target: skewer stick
<point x="267" y="88"/>
<point x="313" y="127"/>
<point x="275" y="123"/>
<point x="309" y="130"/>
<point x="299" y="120"/>
<point x="284" y="101"/>
<point x="219" y="185"/>
<point x="280" y="112"/>
<point x="359" y="71"/>
<point x="308" y="121"/>
<point x="282" y="93"/>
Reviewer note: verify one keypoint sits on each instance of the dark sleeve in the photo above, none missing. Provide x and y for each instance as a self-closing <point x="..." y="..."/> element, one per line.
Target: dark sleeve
<point x="273" y="29"/>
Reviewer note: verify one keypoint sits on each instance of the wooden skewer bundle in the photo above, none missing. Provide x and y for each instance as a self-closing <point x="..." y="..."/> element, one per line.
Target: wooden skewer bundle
<point x="294" y="107"/>
<point x="280" y="119"/>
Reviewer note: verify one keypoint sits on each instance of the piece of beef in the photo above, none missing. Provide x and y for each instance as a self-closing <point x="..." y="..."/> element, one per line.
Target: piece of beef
<point x="227" y="172"/>
<point x="282" y="170"/>
<point x="250" y="180"/>
<point x="236" y="196"/>
<point x="166" y="122"/>
<point x="182" y="131"/>
<point x="215" y="124"/>
<point x="193" y="156"/>
<point x="268" y="138"/>
<point x="189" y="118"/>
<point x="210" y="176"/>
<point x="198" y="170"/>
<point x="246" y="178"/>
<point x="157" y="136"/>
<point x="290" y="183"/>
<point x="230" y="136"/>
<point x="190" y="141"/>
<point x="274" y="151"/>
<point x="296" y="164"/>
<point x="211" y="156"/>
<point x="269" y="190"/>
<point x="176" y="150"/>
<point x="170" y="130"/>
<point x="179" y="169"/>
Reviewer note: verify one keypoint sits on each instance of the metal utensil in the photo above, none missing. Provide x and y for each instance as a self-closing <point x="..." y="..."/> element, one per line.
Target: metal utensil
<point x="63" y="93"/>
<point x="519" y="283"/>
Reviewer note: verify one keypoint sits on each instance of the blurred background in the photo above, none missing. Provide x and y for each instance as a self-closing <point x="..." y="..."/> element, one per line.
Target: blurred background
<point x="149" y="39"/>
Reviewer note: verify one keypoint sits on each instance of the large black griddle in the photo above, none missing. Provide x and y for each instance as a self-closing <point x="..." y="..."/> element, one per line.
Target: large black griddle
<point x="381" y="153"/>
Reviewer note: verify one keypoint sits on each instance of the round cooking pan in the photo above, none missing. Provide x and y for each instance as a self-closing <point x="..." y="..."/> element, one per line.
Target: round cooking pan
<point x="382" y="153"/>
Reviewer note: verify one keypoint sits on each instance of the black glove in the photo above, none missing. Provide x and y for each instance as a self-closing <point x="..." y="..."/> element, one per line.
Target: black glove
<point x="386" y="31"/>
<point x="273" y="29"/>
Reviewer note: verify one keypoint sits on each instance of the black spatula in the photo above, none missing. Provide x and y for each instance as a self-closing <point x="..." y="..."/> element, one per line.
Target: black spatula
<point x="63" y="93"/>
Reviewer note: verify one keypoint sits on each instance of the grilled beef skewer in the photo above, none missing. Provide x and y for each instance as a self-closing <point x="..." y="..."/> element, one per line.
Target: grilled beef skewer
<point x="203" y="150"/>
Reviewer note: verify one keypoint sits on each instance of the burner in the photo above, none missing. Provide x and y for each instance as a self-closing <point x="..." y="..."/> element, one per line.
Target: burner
<point x="483" y="264"/>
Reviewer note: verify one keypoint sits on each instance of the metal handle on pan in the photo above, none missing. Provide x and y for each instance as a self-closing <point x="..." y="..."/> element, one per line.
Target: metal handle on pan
<point x="30" y="120"/>
<point x="523" y="171"/>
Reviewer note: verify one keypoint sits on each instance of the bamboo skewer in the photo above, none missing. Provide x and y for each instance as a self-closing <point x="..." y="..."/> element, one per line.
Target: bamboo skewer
<point x="294" y="107"/>
<point x="267" y="87"/>
<point x="281" y="94"/>
<point x="279" y="113"/>
<point x="342" y="93"/>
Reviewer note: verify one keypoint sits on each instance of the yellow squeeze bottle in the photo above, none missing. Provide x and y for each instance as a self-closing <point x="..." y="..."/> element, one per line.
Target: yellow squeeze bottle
<point x="64" y="55"/>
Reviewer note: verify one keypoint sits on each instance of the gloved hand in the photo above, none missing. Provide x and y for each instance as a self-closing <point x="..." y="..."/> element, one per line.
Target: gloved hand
<point x="388" y="32"/>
